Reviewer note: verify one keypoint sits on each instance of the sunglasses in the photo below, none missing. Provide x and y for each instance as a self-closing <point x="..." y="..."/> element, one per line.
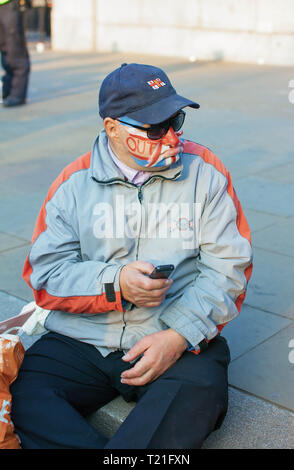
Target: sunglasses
<point x="157" y="131"/>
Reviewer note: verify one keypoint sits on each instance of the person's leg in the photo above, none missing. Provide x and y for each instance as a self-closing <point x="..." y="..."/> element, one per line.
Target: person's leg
<point x="7" y="77"/>
<point x="58" y="384"/>
<point x="41" y="23"/>
<point x="17" y="61"/>
<point x="182" y="407"/>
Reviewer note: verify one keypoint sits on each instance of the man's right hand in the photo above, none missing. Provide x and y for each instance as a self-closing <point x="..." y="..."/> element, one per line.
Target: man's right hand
<point x="138" y="288"/>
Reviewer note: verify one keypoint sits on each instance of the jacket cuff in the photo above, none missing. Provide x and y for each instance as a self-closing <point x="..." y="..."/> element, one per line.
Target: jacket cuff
<point x="189" y="346"/>
<point x="183" y="325"/>
<point x="109" y="279"/>
<point x="126" y="305"/>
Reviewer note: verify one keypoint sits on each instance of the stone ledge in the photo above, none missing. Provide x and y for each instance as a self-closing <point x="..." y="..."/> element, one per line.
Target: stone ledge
<point x="108" y="419"/>
<point x="251" y="423"/>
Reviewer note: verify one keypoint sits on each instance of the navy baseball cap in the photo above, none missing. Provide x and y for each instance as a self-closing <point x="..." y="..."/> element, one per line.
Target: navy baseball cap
<point x="141" y="92"/>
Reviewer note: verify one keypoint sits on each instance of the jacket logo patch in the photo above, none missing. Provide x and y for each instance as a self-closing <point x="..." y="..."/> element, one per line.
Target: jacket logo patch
<point x="156" y="83"/>
<point x="182" y="224"/>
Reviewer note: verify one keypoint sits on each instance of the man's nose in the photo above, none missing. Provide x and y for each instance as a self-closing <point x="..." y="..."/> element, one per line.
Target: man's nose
<point x="171" y="138"/>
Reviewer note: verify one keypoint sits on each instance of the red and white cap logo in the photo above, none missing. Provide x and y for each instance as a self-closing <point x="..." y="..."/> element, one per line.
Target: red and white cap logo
<point x="156" y="83"/>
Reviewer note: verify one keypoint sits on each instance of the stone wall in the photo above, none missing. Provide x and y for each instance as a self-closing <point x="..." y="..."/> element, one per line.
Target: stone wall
<point x="253" y="31"/>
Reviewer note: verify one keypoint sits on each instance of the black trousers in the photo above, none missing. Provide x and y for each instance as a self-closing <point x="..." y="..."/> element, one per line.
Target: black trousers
<point x="62" y="380"/>
<point x="14" y="54"/>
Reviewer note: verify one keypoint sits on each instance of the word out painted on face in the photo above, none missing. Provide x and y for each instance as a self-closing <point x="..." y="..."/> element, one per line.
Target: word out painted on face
<point x="143" y="148"/>
<point x="150" y="153"/>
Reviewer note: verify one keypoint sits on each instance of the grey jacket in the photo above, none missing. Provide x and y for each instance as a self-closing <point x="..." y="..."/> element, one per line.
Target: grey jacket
<point x="93" y="222"/>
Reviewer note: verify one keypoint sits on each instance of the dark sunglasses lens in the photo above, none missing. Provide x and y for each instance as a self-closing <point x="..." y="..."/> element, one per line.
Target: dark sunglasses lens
<point x="156" y="132"/>
<point x="159" y="131"/>
<point x="178" y="121"/>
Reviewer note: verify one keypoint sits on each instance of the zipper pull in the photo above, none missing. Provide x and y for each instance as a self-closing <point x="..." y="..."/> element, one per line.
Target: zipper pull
<point x="140" y="195"/>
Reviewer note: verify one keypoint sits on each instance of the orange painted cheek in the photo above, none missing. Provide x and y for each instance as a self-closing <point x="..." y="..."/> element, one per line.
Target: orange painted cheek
<point x="171" y="138"/>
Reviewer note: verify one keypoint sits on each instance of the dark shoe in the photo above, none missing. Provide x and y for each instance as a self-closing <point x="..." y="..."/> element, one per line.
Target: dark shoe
<point x="11" y="101"/>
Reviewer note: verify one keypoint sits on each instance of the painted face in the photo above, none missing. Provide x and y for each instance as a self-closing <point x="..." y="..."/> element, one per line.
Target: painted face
<point x="151" y="153"/>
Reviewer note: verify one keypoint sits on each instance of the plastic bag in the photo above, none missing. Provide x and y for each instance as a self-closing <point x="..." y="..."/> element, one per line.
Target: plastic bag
<point x="11" y="356"/>
<point x="30" y="321"/>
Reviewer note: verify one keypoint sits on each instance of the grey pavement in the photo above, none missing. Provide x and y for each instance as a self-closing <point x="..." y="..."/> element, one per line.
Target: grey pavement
<point x="247" y="120"/>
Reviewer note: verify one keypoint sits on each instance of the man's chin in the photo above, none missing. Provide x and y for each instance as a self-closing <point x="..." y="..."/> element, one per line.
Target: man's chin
<point x="156" y="168"/>
<point x="162" y="163"/>
<point x="150" y="169"/>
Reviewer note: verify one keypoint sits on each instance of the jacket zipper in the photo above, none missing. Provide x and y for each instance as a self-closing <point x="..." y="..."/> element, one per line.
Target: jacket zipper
<point x="122" y="333"/>
<point x="140" y="197"/>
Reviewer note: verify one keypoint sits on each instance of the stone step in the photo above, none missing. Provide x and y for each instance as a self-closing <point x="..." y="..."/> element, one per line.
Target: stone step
<point x="251" y="423"/>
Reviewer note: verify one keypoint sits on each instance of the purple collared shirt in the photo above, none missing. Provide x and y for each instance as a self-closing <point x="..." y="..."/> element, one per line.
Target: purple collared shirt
<point x="135" y="176"/>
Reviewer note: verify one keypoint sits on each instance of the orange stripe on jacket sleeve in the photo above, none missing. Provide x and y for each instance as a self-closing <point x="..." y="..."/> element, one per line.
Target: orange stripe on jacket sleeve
<point x="241" y="222"/>
<point x="78" y="304"/>
<point x="75" y="304"/>
<point x="81" y="163"/>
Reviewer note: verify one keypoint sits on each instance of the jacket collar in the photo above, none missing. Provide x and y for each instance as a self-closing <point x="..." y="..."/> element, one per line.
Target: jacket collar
<point x="104" y="170"/>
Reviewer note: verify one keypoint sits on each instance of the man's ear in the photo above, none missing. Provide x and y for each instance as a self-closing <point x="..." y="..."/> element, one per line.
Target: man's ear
<point x="110" y="126"/>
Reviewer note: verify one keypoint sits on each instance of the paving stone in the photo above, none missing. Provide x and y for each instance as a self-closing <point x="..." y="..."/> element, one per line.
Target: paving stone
<point x="266" y="371"/>
<point x="253" y="159"/>
<point x="266" y="196"/>
<point x="252" y="423"/>
<point x="19" y="212"/>
<point x="11" y="266"/>
<point x="260" y="220"/>
<point x="243" y="149"/>
<point x="282" y="173"/>
<point x="8" y="241"/>
<point x="19" y="207"/>
<point x="250" y="328"/>
<point x="278" y="238"/>
<point x="10" y="305"/>
<point x="271" y="284"/>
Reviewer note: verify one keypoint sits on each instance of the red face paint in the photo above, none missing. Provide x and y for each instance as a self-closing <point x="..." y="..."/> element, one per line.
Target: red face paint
<point x="149" y="151"/>
<point x="143" y="148"/>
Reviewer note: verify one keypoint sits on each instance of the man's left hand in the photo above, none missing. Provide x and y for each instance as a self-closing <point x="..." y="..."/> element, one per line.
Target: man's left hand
<point x="160" y="351"/>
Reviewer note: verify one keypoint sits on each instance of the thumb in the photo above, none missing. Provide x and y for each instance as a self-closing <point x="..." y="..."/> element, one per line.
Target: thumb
<point x="144" y="267"/>
<point x="135" y="351"/>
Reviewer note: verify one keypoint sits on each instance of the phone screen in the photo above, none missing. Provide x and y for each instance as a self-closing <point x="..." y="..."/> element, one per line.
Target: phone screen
<point x="162" y="271"/>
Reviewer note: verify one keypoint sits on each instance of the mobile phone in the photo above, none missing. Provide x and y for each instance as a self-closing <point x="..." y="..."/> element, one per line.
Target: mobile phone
<point x="162" y="272"/>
